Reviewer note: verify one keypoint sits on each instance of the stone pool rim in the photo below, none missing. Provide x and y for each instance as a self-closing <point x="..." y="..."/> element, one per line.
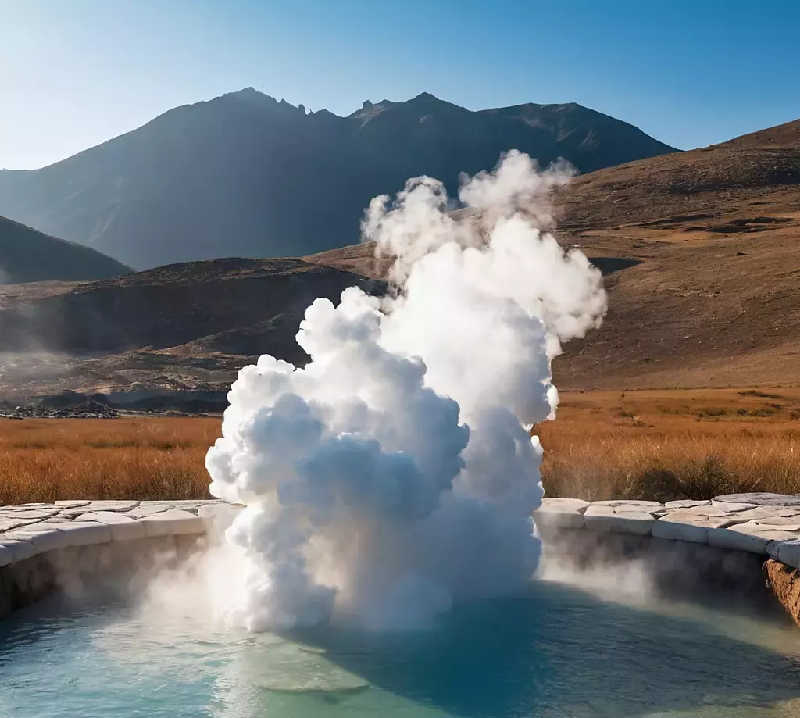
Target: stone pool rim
<point x="760" y="523"/>
<point x="767" y="525"/>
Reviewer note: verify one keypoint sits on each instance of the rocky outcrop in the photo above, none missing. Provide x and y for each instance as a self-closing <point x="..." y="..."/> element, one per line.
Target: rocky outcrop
<point x="81" y="408"/>
<point x="784" y="582"/>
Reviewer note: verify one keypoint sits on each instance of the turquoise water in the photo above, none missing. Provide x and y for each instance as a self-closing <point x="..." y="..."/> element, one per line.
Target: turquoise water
<point x="554" y="652"/>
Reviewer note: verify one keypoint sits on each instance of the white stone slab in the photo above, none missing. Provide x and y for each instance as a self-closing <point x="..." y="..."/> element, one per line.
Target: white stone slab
<point x="789" y="553"/>
<point x="193" y="505"/>
<point x="597" y="509"/>
<point x="677" y="531"/>
<point x="147" y="509"/>
<point x="44" y="539"/>
<point x="685" y="504"/>
<point x="32" y="514"/>
<point x="8" y="524"/>
<point x="718" y="509"/>
<point x="222" y="509"/>
<point x="630" y="522"/>
<point x="783" y="523"/>
<point x="757" y="528"/>
<point x="776" y="536"/>
<point x="633" y="504"/>
<point x="69" y="514"/>
<point x="762" y="499"/>
<point x="558" y="519"/>
<point x="6" y="555"/>
<point x="770" y="512"/>
<point x="122" y="526"/>
<point x="218" y="516"/>
<point x="20" y="549"/>
<point x="71" y="504"/>
<point x="737" y="540"/>
<point x="562" y="504"/>
<point x="652" y="509"/>
<point x="112" y="505"/>
<point x="82" y="533"/>
<point x="173" y="522"/>
<point x="731" y="507"/>
<point x="687" y="516"/>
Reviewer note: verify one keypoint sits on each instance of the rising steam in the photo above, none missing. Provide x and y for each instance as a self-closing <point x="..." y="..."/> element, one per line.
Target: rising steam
<point x="394" y="473"/>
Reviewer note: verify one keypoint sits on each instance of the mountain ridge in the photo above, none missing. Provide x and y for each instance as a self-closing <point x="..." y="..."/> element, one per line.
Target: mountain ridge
<point x="245" y="174"/>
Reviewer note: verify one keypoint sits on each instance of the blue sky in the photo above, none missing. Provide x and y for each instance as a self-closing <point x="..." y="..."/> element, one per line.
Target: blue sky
<point x="76" y="72"/>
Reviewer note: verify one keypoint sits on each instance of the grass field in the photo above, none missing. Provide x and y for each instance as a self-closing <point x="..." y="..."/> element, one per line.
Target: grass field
<point x="127" y="458"/>
<point x="666" y="445"/>
<point x="643" y="444"/>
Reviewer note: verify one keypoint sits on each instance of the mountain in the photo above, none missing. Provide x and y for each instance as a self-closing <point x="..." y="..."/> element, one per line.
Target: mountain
<point x="30" y="256"/>
<point x="246" y="175"/>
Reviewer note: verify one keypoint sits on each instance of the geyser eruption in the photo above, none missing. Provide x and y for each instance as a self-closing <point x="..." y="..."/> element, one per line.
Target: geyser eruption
<point x="394" y="473"/>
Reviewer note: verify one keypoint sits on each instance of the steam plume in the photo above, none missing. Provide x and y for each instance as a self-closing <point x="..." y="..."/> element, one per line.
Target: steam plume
<point x="394" y="473"/>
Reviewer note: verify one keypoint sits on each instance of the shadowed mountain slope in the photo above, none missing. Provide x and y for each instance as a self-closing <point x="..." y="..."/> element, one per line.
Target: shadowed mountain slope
<point x="30" y="256"/>
<point x="246" y="175"/>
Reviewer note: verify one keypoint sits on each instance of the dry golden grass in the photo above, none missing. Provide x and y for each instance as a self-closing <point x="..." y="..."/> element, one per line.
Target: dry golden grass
<point x="644" y="444"/>
<point x="129" y="458"/>
<point x="667" y="445"/>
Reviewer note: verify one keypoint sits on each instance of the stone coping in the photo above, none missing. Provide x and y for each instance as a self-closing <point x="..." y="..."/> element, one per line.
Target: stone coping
<point x="29" y="530"/>
<point x="759" y="523"/>
<point x="765" y="524"/>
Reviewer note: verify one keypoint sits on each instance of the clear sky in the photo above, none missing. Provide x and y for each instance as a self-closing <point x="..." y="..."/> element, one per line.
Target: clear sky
<point x="76" y="72"/>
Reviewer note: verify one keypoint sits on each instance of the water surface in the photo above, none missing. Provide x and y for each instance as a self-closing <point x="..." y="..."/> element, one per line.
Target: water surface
<point x="556" y="651"/>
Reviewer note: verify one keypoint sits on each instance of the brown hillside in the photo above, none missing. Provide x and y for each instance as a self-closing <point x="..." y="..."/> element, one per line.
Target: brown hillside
<point x="701" y="252"/>
<point x="714" y="298"/>
<point x="179" y="328"/>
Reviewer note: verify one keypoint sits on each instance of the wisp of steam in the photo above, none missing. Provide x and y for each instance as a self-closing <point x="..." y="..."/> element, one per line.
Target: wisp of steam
<point x="395" y="473"/>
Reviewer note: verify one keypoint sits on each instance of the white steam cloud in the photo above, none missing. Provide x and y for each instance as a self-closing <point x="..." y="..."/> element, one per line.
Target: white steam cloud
<point x="394" y="473"/>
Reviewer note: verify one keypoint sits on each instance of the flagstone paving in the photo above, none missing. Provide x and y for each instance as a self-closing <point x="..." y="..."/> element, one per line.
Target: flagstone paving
<point x="767" y="524"/>
<point x="31" y="529"/>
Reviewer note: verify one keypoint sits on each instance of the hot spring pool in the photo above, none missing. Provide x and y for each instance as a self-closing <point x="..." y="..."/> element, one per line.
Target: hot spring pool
<point x="554" y="652"/>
